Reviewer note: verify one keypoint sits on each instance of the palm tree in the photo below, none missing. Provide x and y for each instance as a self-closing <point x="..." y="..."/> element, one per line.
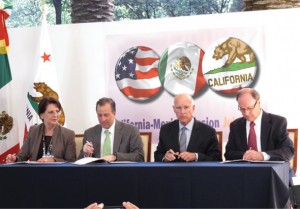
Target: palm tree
<point x="92" y="11"/>
<point x="250" y="5"/>
<point x="57" y="6"/>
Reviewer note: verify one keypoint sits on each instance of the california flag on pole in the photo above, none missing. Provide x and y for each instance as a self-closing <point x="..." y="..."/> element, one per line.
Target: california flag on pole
<point x="180" y="69"/>
<point x="45" y="82"/>
<point x="9" y="140"/>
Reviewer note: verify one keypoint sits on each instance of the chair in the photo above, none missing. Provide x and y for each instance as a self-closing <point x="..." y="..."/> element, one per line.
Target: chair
<point x="220" y="140"/>
<point x="295" y="196"/>
<point x="293" y="133"/>
<point x="146" y="138"/>
<point x="78" y="142"/>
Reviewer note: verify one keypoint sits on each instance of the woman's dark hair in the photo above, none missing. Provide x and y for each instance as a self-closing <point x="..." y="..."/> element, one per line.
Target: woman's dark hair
<point x="45" y="102"/>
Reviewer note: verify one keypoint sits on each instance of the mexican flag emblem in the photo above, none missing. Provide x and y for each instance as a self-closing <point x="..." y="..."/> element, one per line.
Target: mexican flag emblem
<point x="180" y="69"/>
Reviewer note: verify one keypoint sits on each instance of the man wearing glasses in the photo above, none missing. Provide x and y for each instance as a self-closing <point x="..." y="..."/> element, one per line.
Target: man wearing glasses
<point x="186" y="139"/>
<point x="258" y="135"/>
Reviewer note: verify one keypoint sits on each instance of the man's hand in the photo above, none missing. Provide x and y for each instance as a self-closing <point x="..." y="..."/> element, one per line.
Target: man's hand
<point x="109" y="158"/>
<point x="88" y="149"/>
<point x="253" y="155"/>
<point x="170" y="155"/>
<point x="187" y="156"/>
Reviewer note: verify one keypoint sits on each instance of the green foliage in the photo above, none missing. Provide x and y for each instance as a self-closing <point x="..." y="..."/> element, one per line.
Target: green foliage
<point x="147" y="9"/>
<point x="236" y="6"/>
<point x="6" y="2"/>
<point x="28" y="12"/>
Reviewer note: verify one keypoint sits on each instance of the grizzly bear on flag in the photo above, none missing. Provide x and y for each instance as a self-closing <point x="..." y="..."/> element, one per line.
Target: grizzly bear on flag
<point x="234" y="48"/>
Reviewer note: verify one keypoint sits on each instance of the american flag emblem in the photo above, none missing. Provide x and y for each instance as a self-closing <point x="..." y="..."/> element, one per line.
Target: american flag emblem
<point x="136" y="73"/>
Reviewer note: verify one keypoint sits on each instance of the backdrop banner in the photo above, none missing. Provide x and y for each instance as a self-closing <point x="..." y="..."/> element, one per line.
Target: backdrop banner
<point x="169" y="55"/>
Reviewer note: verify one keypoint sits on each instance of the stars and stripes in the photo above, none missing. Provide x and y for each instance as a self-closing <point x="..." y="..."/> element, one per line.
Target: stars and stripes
<point x="136" y="73"/>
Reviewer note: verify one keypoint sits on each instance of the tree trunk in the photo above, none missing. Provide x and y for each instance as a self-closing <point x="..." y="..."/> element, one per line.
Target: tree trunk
<point x="250" y="5"/>
<point x="57" y="6"/>
<point x="92" y="11"/>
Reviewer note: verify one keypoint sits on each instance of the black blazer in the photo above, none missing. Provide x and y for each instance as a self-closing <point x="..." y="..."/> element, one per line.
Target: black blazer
<point x="275" y="139"/>
<point x="203" y="141"/>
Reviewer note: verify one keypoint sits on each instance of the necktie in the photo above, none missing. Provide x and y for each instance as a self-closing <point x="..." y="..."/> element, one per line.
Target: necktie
<point x="106" y="144"/>
<point x="252" y="137"/>
<point x="182" y="140"/>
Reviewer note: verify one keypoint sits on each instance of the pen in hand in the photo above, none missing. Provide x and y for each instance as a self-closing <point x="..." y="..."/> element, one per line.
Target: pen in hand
<point x="246" y="153"/>
<point x="88" y="149"/>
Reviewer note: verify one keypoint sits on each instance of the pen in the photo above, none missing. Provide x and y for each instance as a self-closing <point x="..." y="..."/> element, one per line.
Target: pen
<point x="90" y="144"/>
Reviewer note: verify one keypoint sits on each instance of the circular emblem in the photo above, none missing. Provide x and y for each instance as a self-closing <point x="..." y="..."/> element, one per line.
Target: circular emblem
<point x="229" y="65"/>
<point x="180" y="69"/>
<point x="6" y="124"/>
<point x="136" y="73"/>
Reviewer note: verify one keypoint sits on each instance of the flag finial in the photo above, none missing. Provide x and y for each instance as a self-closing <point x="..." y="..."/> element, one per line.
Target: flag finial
<point x="44" y="10"/>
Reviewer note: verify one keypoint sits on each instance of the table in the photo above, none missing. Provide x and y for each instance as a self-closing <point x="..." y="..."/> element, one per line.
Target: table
<point x="148" y="185"/>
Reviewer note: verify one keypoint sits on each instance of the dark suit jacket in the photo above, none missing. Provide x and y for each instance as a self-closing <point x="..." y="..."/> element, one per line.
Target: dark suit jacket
<point x="275" y="139"/>
<point x="128" y="145"/>
<point x="203" y="141"/>
<point x="63" y="144"/>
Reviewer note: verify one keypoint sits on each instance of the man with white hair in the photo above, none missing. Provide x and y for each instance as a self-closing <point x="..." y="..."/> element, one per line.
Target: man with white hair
<point x="186" y="139"/>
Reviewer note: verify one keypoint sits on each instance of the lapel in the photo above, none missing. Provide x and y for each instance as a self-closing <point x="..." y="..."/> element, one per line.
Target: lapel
<point x="243" y="133"/>
<point x="37" y="140"/>
<point x="194" y="134"/>
<point x="97" y="140"/>
<point x="55" y="135"/>
<point x="265" y="130"/>
<point x="118" y="136"/>
<point x="175" y="135"/>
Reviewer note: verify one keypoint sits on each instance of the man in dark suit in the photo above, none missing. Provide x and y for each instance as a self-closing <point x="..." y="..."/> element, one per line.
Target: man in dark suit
<point x="186" y="139"/>
<point x="272" y="139"/>
<point x="111" y="139"/>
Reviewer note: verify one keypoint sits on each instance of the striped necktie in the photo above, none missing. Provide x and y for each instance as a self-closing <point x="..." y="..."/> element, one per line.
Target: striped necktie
<point x="182" y="140"/>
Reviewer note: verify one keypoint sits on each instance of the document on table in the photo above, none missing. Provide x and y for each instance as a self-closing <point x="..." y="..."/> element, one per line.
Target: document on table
<point x="250" y="161"/>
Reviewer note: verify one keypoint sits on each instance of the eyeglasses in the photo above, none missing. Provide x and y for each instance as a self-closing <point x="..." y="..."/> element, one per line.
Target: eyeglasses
<point x="248" y="108"/>
<point x="178" y="109"/>
<point x="54" y="112"/>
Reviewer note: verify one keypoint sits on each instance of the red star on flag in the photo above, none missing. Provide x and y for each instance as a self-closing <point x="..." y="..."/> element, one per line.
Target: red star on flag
<point x="46" y="57"/>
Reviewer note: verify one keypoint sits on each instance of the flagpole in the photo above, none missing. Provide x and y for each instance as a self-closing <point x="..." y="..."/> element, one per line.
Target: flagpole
<point x="43" y="7"/>
<point x="44" y="10"/>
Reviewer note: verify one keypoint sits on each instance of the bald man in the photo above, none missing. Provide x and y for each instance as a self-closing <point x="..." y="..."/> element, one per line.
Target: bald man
<point x="186" y="139"/>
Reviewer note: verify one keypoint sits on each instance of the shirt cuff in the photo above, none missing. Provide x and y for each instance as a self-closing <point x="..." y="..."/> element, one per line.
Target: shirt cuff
<point x="196" y="156"/>
<point x="266" y="156"/>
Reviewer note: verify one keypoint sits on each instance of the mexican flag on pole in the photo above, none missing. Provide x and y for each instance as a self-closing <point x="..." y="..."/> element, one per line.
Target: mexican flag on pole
<point x="5" y="74"/>
<point x="9" y="143"/>
<point x="45" y="82"/>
